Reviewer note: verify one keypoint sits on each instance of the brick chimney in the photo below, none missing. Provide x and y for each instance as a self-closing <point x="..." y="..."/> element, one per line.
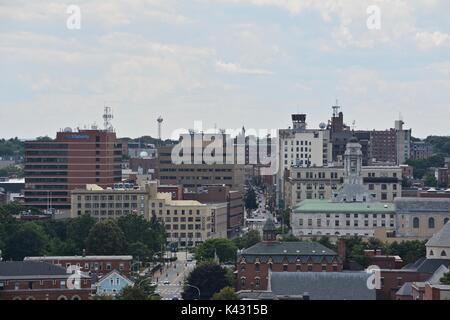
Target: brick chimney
<point x="341" y="249"/>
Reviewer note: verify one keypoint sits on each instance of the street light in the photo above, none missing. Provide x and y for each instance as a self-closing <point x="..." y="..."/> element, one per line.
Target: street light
<point x="192" y="286"/>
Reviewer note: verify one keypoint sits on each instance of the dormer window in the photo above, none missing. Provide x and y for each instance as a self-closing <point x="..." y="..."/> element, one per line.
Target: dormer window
<point x="443" y="253"/>
<point x="431" y="253"/>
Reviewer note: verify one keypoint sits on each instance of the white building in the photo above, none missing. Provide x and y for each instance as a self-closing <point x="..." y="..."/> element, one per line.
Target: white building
<point x="301" y="147"/>
<point x="352" y="210"/>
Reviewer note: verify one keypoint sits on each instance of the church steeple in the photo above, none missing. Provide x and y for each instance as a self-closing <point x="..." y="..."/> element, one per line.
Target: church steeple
<point x="269" y="231"/>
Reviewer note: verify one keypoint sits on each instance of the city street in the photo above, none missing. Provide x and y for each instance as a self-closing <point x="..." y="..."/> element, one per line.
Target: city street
<point x="170" y="280"/>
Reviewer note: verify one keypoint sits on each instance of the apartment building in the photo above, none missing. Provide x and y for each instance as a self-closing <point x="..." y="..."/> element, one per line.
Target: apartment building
<point x="54" y="168"/>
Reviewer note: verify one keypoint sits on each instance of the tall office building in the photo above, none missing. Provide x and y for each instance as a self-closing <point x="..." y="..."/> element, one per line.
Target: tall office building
<point x="55" y="167"/>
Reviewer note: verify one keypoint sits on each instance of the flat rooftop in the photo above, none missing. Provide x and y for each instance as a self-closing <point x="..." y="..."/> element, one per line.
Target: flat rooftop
<point x="323" y="206"/>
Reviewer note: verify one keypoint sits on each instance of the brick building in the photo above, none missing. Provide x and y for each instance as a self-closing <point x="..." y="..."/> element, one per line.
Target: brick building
<point x="99" y="265"/>
<point x="221" y="194"/>
<point x="53" y="168"/>
<point x="254" y="263"/>
<point x="30" y="280"/>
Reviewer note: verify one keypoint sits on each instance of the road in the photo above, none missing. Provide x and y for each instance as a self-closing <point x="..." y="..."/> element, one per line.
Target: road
<point x="260" y="213"/>
<point x="175" y="274"/>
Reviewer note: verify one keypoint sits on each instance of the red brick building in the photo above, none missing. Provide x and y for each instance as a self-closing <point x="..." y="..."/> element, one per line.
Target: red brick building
<point x="28" y="280"/>
<point x="100" y="265"/>
<point x="254" y="263"/>
<point x="53" y="168"/>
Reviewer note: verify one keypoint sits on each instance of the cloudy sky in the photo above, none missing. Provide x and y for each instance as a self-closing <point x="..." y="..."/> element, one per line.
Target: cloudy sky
<point x="224" y="62"/>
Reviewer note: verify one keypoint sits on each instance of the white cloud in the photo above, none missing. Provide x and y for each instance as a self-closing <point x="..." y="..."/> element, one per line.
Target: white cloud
<point x="234" y="68"/>
<point x="427" y="40"/>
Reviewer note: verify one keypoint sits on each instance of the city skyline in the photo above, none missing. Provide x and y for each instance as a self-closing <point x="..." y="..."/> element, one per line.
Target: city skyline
<point x="258" y="60"/>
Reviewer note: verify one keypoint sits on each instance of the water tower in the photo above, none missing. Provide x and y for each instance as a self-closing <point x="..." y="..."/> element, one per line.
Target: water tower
<point x="159" y="120"/>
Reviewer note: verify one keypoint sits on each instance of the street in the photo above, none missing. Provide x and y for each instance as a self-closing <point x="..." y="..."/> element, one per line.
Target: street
<point x="259" y="215"/>
<point x="170" y="280"/>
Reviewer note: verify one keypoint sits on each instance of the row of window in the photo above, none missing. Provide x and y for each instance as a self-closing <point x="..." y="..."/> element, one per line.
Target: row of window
<point x="126" y="197"/>
<point x="431" y="223"/>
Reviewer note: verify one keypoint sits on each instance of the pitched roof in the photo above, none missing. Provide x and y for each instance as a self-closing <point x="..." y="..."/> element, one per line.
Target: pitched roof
<point x="405" y="289"/>
<point x="29" y="268"/>
<point x="117" y="273"/>
<point x="441" y="238"/>
<point x="323" y="285"/>
<point x="427" y="265"/>
<point x="437" y="275"/>
<point x="269" y="225"/>
<point x="422" y="205"/>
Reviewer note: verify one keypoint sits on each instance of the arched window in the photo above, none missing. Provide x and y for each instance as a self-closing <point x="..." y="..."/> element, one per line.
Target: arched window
<point x="243" y="282"/>
<point x="443" y="253"/>
<point x="431" y="223"/>
<point x="445" y="220"/>
<point x="416" y="223"/>
<point x="257" y="269"/>
<point x="62" y="298"/>
<point x="76" y="298"/>
<point x="431" y="253"/>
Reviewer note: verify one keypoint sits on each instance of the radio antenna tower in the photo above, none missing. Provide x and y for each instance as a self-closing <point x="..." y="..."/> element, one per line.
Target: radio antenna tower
<point x="159" y="120"/>
<point x="107" y="117"/>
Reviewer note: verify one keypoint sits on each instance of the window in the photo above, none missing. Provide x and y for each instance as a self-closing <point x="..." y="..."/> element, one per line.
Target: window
<point x="285" y="267"/>
<point x="257" y="269"/>
<point x="243" y="282"/>
<point x="431" y="223"/>
<point x="443" y="253"/>
<point x="416" y="223"/>
<point x="257" y="282"/>
<point x="310" y="267"/>
<point x="324" y="268"/>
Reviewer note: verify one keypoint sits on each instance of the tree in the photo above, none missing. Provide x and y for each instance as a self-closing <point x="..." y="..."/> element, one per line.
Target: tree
<point x="27" y="240"/>
<point x="247" y="240"/>
<point x="224" y="248"/>
<point x="78" y="231"/>
<point x="226" y="293"/>
<point x="250" y="199"/>
<point x="209" y="278"/>
<point x="132" y="293"/>
<point x="446" y="279"/>
<point x="105" y="237"/>
<point x="325" y="241"/>
<point x="430" y="180"/>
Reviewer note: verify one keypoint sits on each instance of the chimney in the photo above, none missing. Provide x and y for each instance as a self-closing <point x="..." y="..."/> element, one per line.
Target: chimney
<point x="341" y="248"/>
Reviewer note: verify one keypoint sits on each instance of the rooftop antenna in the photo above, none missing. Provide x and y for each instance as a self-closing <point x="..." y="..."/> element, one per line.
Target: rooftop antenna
<point x="159" y="120"/>
<point x="353" y="125"/>
<point x="336" y="109"/>
<point x="107" y="117"/>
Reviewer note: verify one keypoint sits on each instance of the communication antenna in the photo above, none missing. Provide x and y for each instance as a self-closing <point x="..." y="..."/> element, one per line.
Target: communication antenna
<point x="107" y="117"/>
<point x="336" y="109"/>
<point x="160" y="121"/>
<point x="353" y="125"/>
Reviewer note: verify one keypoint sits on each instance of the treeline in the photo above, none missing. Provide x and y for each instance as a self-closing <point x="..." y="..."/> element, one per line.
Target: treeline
<point x="130" y="234"/>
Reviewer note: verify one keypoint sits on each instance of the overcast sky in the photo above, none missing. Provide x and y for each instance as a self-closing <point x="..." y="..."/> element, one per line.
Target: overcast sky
<point x="224" y="62"/>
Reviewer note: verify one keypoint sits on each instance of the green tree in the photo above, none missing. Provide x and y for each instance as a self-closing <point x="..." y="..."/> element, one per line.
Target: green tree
<point x="225" y="249"/>
<point x="106" y="238"/>
<point x="132" y="293"/>
<point x="210" y="278"/>
<point x="446" y="279"/>
<point x="226" y="293"/>
<point x="250" y="199"/>
<point x="247" y="240"/>
<point x="27" y="240"/>
<point x="430" y="180"/>
<point x="78" y="231"/>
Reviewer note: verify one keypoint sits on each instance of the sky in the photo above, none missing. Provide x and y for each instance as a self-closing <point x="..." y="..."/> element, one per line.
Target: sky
<point x="227" y="63"/>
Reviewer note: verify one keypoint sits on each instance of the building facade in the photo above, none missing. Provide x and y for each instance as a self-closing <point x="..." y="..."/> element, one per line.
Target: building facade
<point x="352" y="209"/>
<point x="255" y="263"/>
<point x="100" y="265"/>
<point x="54" y="168"/>
<point x="384" y="182"/>
<point x="421" y="217"/>
<point x="29" y="280"/>
<point x="421" y="150"/>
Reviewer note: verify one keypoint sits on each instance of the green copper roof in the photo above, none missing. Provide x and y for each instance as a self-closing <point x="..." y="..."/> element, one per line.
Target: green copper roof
<point x="324" y="206"/>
